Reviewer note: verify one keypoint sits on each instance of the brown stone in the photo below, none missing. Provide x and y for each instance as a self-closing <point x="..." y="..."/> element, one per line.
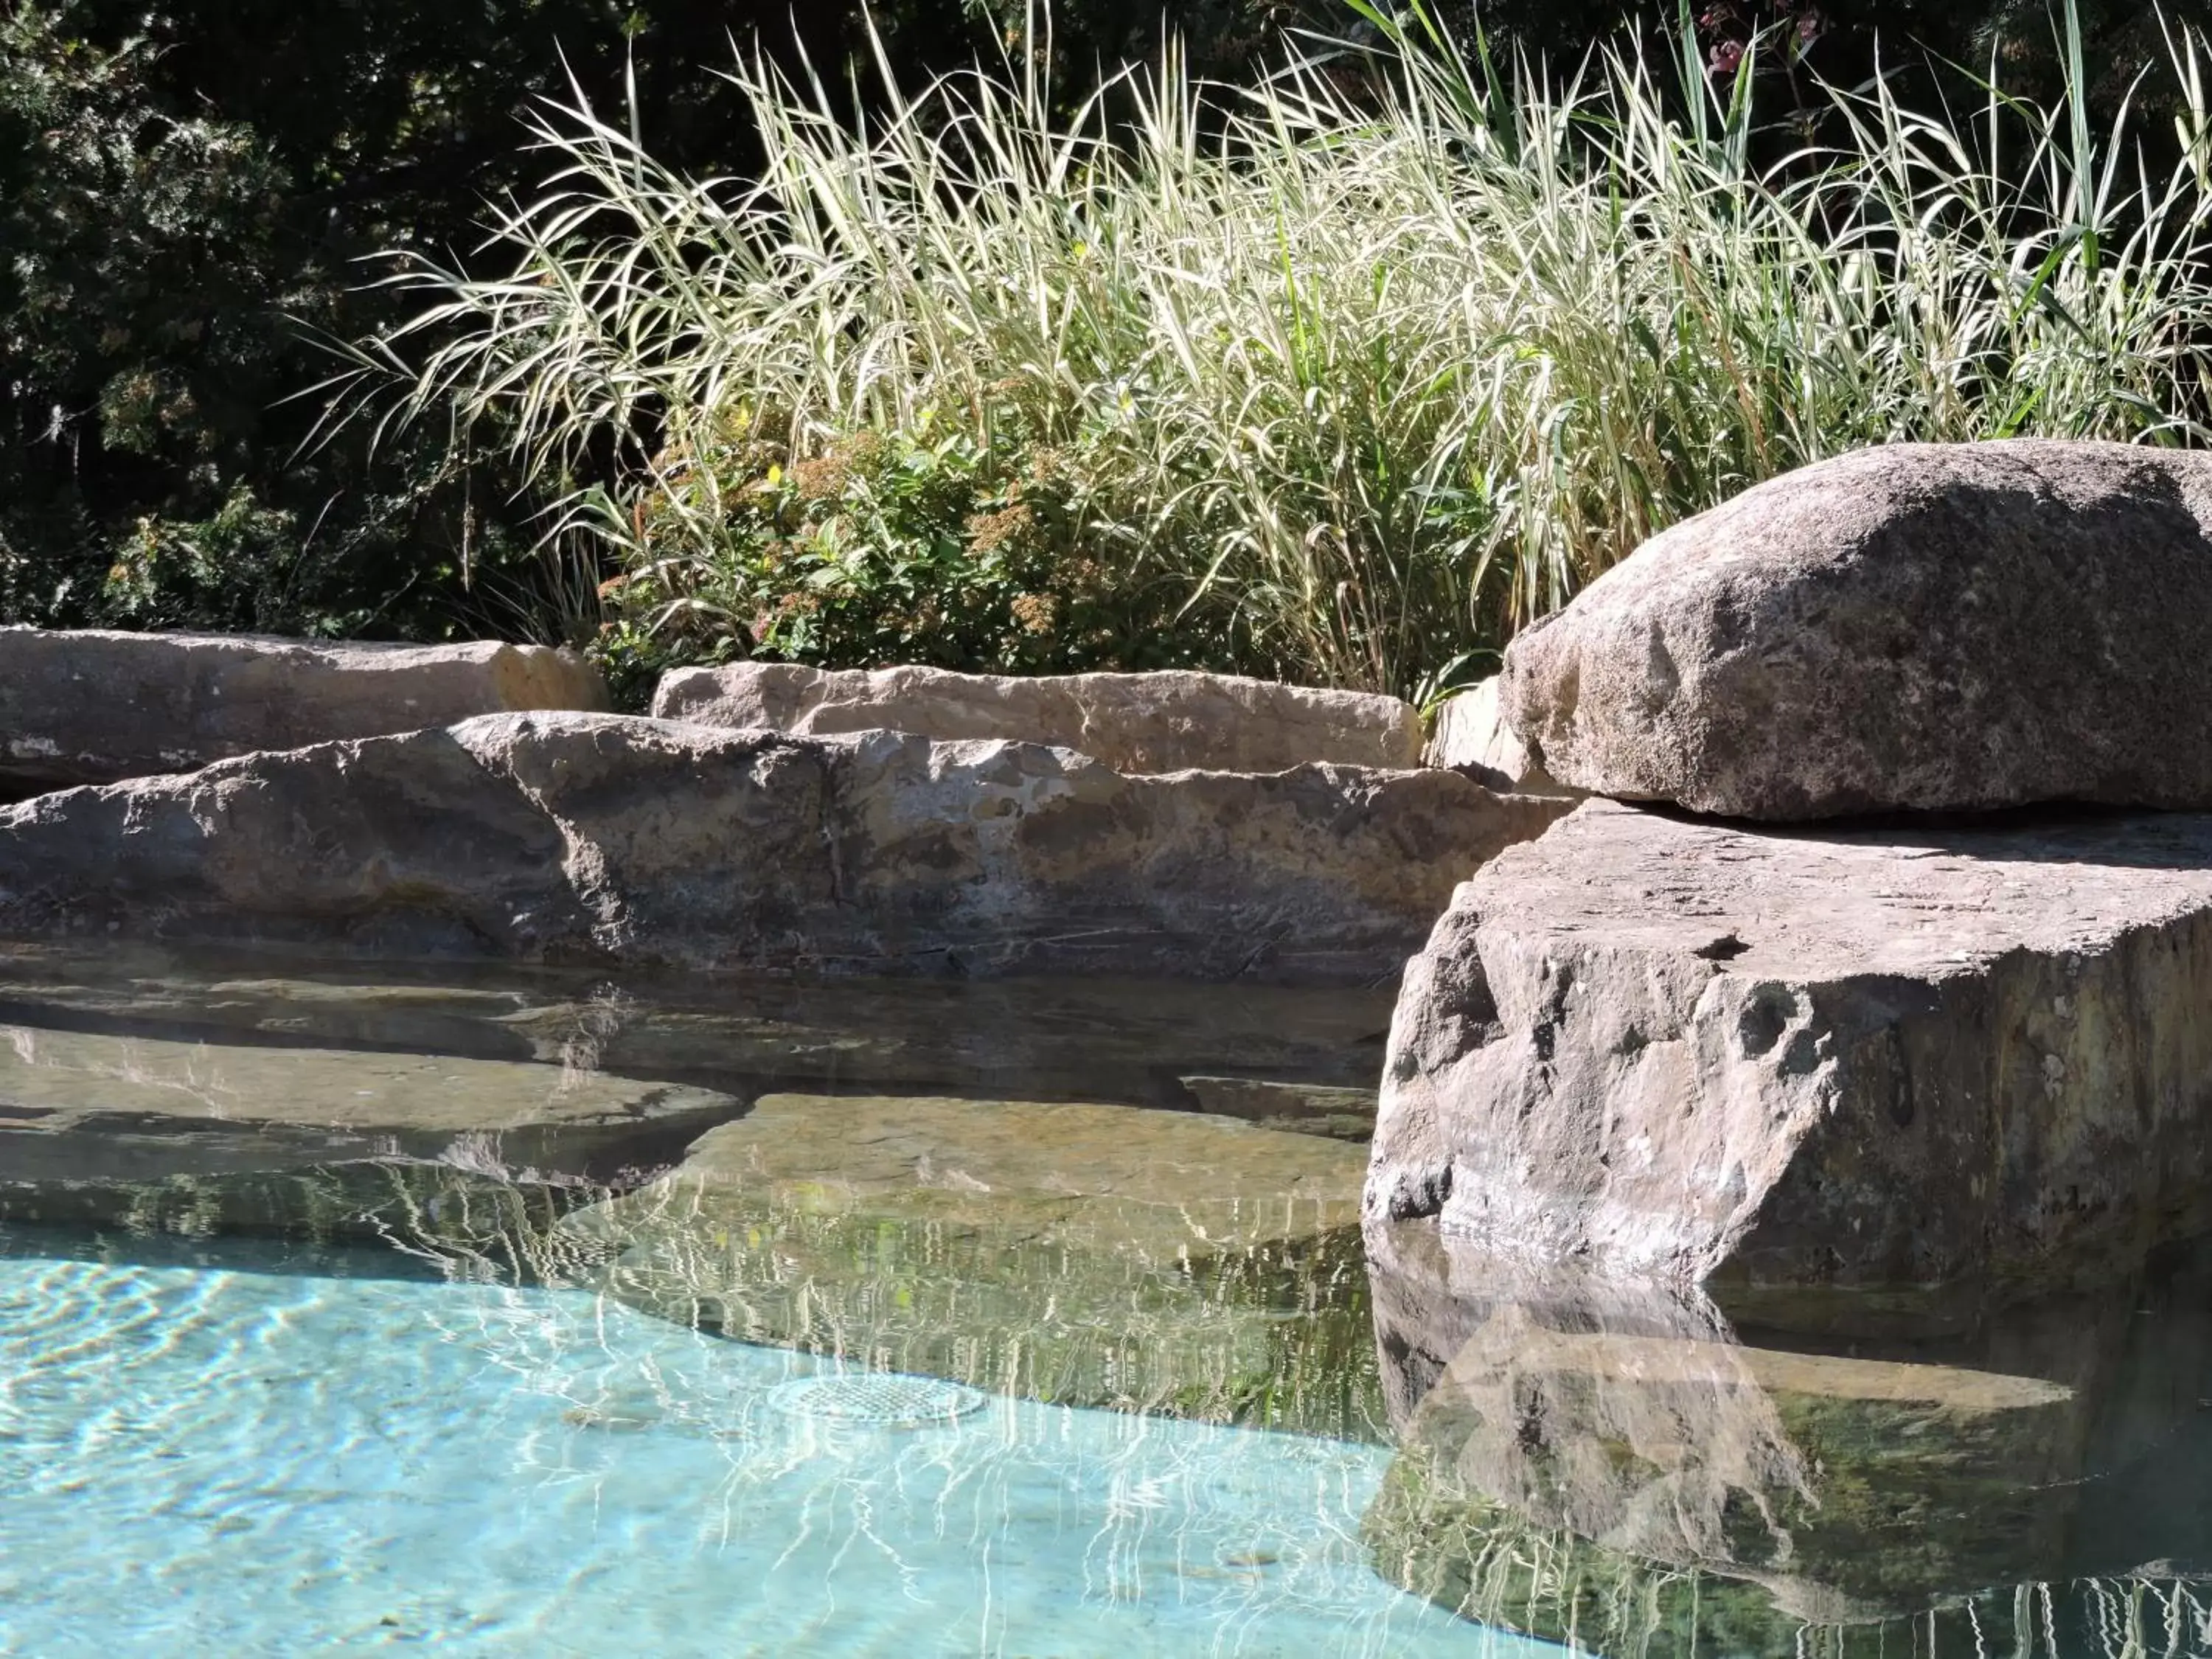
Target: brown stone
<point x="92" y="707"/>
<point x="1661" y="1047"/>
<point x="603" y="838"/>
<point x="1919" y="627"/>
<point x="1167" y="722"/>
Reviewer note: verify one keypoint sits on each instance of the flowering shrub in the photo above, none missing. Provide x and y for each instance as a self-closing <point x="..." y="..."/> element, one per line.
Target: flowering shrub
<point x="927" y="544"/>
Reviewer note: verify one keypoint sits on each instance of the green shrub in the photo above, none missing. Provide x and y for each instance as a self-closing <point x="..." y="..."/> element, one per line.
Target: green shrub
<point x="928" y="542"/>
<point x="1345" y="387"/>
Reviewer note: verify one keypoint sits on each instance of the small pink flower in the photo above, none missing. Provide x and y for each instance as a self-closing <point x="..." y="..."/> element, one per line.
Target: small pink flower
<point x="1727" y="55"/>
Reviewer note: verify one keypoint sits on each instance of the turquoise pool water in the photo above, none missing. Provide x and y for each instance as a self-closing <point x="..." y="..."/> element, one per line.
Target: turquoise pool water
<point x="261" y="1453"/>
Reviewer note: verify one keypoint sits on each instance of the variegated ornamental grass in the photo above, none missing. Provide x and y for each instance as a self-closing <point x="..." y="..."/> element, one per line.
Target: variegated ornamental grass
<point x="1347" y="383"/>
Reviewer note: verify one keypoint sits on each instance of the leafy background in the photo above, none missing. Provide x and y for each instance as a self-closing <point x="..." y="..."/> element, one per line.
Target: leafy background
<point x="188" y="193"/>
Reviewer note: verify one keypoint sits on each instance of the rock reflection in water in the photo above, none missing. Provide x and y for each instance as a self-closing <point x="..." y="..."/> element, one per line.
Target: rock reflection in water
<point x="1246" y="1050"/>
<point x="1632" y="1472"/>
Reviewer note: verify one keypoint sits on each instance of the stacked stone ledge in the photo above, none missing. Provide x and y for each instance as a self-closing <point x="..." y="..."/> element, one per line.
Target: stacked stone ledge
<point x="627" y="840"/>
<point x="89" y="706"/>
<point x="1845" y="1027"/>
<point x="1166" y="721"/>
<point x="1177" y="825"/>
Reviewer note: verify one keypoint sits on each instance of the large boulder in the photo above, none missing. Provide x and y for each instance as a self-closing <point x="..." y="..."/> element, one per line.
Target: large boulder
<point x="1697" y="1051"/>
<point x="609" y="838"/>
<point x="93" y="706"/>
<point x="1161" y="723"/>
<point x="1921" y="627"/>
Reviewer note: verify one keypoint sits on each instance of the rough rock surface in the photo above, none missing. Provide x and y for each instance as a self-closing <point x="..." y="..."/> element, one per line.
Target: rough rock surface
<point x="606" y="837"/>
<point x="95" y="706"/>
<point x="1471" y="734"/>
<point x="1920" y="626"/>
<point x="1094" y="1256"/>
<point x="1662" y="1047"/>
<point x="1160" y="722"/>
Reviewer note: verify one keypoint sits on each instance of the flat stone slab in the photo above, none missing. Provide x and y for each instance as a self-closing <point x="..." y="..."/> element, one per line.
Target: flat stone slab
<point x="1914" y="627"/>
<point x="1342" y="1113"/>
<point x="1703" y="1051"/>
<point x="603" y="838"/>
<point x="1097" y="1256"/>
<point x="97" y="1110"/>
<point x="95" y="706"/>
<point x="52" y="1082"/>
<point x="1167" y="722"/>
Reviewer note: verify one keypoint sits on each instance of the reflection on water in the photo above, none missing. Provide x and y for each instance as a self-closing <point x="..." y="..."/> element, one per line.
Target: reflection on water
<point x="337" y="1312"/>
<point x="1091" y="1255"/>
<point x="204" y="1459"/>
<point x="1623" y="1470"/>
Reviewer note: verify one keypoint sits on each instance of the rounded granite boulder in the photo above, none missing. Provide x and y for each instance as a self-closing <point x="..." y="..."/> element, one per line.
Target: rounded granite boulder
<point x="1917" y="627"/>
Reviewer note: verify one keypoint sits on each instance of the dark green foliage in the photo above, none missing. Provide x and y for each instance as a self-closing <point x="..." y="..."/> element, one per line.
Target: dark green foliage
<point x="185" y="197"/>
<point x="899" y="546"/>
<point x="187" y="189"/>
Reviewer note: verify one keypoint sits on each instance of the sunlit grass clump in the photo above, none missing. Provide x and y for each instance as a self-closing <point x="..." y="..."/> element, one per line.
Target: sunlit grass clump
<point x="1341" y="386"/>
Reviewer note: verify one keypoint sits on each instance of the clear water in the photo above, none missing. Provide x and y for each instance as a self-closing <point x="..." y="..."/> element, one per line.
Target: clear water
<point x="260" y="1454"/>
<point x="233" y="1422"/>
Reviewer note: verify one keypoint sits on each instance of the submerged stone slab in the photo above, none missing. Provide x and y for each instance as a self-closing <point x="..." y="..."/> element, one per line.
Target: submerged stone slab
<point x="93" y="706"/>
<point x="1915" y="627"/>
<point x="88" y="1117"/>
<point x="1659" y="1047"/>
<point x="603" y="837"/>
<point x="1681" y="1490"/>
<point x="1296" y="1051"/>
<point x="1167" y="722"/>
<point x="1096" y="1255"/>
<point x="1342" y="1113"/>
<point x="51" y="1081"/>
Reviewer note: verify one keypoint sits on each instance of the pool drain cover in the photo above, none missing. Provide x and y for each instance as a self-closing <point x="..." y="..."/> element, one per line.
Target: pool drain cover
<point x="874" y="1398"/>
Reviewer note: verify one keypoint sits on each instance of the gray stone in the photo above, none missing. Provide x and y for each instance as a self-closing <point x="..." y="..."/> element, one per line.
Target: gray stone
<point x="1471" y="735"/>
<point x="1921" y="627"/>
<point x="93" y="706"/>
<point x="604" y="838"/>
<point x="1167" y="722"/>
<point x="1689" y="1050"/>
